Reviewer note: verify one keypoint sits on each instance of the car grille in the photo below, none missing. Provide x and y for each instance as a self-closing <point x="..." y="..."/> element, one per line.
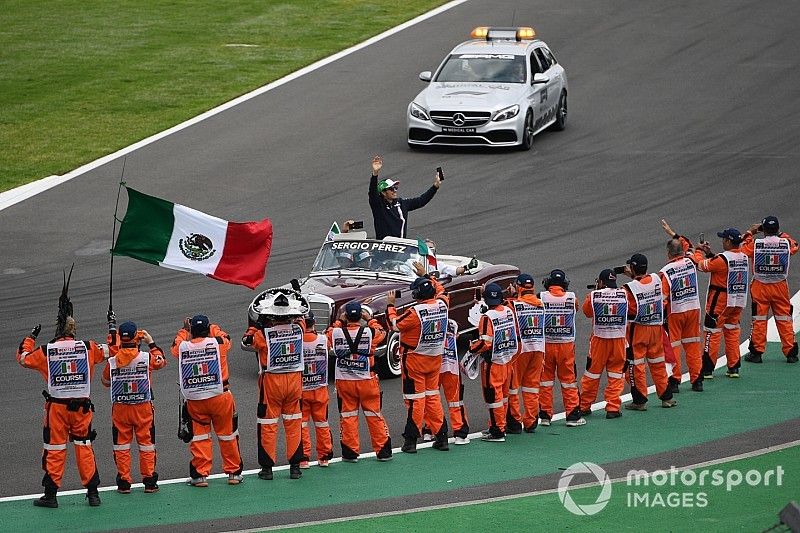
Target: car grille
<point x="471" y="119"/>
<point x="322" y="307"/>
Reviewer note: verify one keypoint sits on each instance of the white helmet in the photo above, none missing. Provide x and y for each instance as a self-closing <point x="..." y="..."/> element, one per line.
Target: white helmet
<point x="278" y="303"/>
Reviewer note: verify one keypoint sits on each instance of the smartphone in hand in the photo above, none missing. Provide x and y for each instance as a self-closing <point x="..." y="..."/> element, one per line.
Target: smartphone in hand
<point x="440" y="173"/>
<point x="619" y="270"/>
<point x="397" y="293"/>
<point x="358" y="224"/>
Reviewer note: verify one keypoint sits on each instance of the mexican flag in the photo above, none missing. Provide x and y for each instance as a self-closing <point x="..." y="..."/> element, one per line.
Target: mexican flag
<point x="181" y="238"/>
<point x="332" y="232"/>
<point x="426" y="252"/>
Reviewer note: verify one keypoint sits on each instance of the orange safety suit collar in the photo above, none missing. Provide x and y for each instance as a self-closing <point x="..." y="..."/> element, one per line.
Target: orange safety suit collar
<point x="527" y="296"/>
<point x="556" y="290"/>
<point x="127" y="353"/>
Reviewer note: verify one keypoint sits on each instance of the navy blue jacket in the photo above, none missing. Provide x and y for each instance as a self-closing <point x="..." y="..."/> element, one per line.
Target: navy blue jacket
<point x="392" y="219"/>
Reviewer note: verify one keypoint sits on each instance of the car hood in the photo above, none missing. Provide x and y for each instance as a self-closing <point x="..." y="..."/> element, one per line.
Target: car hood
<point x="344" y="288"/>
<point x="470" y="96"/>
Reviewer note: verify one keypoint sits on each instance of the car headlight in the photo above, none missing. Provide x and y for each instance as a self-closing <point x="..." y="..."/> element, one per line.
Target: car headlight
<point x="418" y="112"/>
<point x="507" y="113"/>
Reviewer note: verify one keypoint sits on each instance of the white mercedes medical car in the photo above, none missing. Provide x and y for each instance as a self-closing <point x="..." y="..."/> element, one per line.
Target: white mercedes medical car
<point x="499" y="89"/>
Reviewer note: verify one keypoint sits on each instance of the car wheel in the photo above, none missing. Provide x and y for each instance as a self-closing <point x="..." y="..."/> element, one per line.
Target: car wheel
<point x="389" y="365"/>
<point x="561" y="113"/>
<point x="527" y="132"/>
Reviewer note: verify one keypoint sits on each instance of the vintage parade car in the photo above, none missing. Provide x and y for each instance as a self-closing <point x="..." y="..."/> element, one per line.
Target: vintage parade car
<point x="351" y="267"/>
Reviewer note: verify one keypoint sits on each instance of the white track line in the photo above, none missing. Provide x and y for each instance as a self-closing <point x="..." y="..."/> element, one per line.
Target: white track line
<point x="772" y="331"/>
<point x="14" y="196"/>
<point x="753" y="453"/>
<point x="558" y="416"/>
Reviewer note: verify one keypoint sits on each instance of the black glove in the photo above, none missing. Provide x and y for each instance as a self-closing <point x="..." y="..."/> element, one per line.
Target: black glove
<point x="35" y="331"/>
<point x="247" y="340"/>
<point x="473" y="263"/>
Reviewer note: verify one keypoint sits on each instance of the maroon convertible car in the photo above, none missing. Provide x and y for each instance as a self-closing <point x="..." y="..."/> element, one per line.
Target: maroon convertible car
<point x="352" y="267"/>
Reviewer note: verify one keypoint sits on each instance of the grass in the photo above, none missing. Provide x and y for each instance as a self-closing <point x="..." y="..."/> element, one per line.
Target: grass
<point x="83" y="78"/>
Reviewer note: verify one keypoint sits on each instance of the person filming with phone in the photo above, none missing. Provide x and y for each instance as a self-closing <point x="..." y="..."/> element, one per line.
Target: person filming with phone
<point x="389" y="211"/>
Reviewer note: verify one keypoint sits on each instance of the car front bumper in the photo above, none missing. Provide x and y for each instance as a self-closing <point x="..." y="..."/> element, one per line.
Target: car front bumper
<point x="503" y="133"/>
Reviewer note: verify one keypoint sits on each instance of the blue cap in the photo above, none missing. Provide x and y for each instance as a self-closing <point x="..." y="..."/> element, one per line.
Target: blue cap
<point x="731" y="233"/>
<point x="353" y="311"/>
<point x="127" y="331"/>
<point x="770" y="225"/>
<point x="199" y="325"/>
<point x="638" y="262"/>
<point x="525" y="280"/>
<point x="422" y="289"/>
<point x="608" y="278"/>
<point x="493" y="294"/>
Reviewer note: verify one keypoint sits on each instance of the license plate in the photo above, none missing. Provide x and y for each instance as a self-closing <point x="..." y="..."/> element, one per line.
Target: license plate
<point x="459" y="130"/>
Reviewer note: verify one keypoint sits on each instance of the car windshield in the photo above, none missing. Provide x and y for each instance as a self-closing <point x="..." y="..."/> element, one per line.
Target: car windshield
<point x="367" y="256"/>
<point x="499" y="68"/>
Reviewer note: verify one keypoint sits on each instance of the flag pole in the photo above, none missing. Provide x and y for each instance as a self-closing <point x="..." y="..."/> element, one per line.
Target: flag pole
<point x="114" y="237"/>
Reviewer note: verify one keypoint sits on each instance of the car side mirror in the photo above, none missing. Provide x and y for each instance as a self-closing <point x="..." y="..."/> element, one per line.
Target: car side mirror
<point x="426" y="75"/>
<point x="539" y="78"/>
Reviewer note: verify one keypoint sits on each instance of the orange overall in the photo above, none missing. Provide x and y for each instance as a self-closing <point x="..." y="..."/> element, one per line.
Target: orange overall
<point x="526" y="372"/>
<point x="646" y="345"/>
<point x="65" y="419"/>
<point x="559" y="360"/>
<point x="771" y="295"/>
<point x="315" y="396"/>
<point x="494" y="366"/>
<point x="133" y="419"/>
<point x="279" y="398"/>
<point x="361" y="391"/>
<point x="722" y="320"/>
<point x="605" y="353"/>
<point x="217" y="412"/>
<point x="420" y="371"/>
<point x="683" y="321"/>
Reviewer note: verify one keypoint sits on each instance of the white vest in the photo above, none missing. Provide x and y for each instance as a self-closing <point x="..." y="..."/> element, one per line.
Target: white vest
<point x="350" y="366"/>
<point x="433" y="328"/>
<point x="610" y="310"/>
<point x="530" y="321"/>
<point x="130" y="384"/>
<point x="559" y="317"/>
<point x="200" y="368"/>
<point x="284" y="349"/>
<point x="649" y="301"/>
<point x="771" y="259"/>
<point x="738" y="270"/>
<point x="505" y="342"/>
<point x="682" y="278"/>
<point x="315" y="363"/>
<point x="450" y="357"/>
<point x="68" y="373"/>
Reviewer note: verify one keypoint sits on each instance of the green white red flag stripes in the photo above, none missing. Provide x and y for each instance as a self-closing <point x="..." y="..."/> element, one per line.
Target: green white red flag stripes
<point x="425" y="251"/>
<point x="332" y="232"/>
<point x="181" y="238"/>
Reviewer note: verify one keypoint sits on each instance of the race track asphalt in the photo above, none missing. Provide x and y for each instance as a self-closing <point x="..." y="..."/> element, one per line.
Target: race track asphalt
<point x="678" y="109"/>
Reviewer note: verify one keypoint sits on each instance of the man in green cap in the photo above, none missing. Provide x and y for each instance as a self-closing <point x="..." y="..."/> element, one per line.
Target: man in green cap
<point x="389" y="211"/>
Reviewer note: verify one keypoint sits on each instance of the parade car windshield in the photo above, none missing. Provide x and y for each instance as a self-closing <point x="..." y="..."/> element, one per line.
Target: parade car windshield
<point x="367" y="256"/>
<point x="497" y="68"/>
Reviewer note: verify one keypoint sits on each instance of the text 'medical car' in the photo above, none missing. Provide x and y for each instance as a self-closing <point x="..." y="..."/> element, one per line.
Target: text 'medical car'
<point x="499" y="89"/>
